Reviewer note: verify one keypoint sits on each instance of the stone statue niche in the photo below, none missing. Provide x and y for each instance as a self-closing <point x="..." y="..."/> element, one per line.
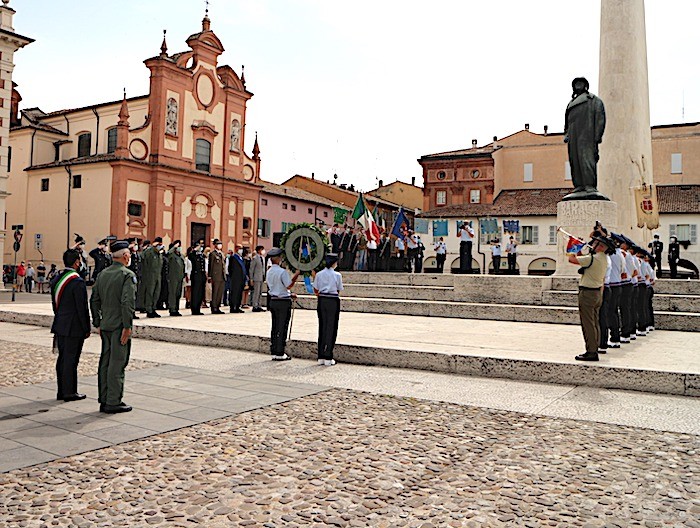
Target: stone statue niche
<point x="583" y="132"/>
<point x="171" y="117"/>
<point x="235" y="135"/>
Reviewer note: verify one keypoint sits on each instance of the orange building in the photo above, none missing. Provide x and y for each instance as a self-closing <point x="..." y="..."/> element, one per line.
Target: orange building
<point x="168" y="164"/>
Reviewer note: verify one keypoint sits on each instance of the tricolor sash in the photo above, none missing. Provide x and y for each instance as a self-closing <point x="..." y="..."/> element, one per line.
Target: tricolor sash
<point x="61" y="284"/>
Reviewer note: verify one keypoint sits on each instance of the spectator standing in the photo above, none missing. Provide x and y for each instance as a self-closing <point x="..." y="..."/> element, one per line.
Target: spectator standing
<point x="20" y="276"/>
<point x="71" y="324"/>
<point x="52" y="273"/>
<point x="496" y="256"/>
<point x="466" y="238"/>
<point x="176" y="275"/>
<point x="440" y="254"/>
<point x="674" y="255"/>
<point x="512" y="252"/>
<point x="246" y="286"/>
<point x="217" y="276"/>
<point x="29" y="277"/>
<point x="238" y="279"/>
<point x="257" y="277"/>
<point x="41" y="277"/>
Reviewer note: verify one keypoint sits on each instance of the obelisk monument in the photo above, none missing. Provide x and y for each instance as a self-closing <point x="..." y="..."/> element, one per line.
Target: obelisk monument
<point x="625" y="153"/>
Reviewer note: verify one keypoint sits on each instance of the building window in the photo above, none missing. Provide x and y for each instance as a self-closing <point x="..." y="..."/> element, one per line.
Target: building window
<point x="111" y="140"/>
<point x="9" y="159"/>
<point x="567" y="171"/>
<point x="246" y="223"/>
<point x="325" y="214"/>
<point x="264" y="227"/>
<point x="684" y="232"/>
<point x="552" y="235"/>
<point x="84" y="142"/>
<point x="677" y="163"/>
<point x="284" y="205"/>
<point x="77" y="181"/>
<point x="263" y="201"/>
<point x="203" y="155"/>
<point x="294" y="207"/>
<point x="530" y="235"/>
<point x="56" y="151"/>
<point x="311" y="211"/>
<point x="475" y="196"/>
<point x="527" y="172"/>
<point x="44" y="184"/>
<point x="441" y="175"/>
<point x="286" y="225"/>
<point x="441" y="198"/>
<point x="134" y="209"/>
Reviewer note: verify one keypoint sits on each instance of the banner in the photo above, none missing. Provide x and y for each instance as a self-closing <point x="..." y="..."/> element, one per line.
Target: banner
<point x="439" y="228"/>
<point x="647" y="206"/>
<point x="421" y="225"/>
<point x="339" y="215"/>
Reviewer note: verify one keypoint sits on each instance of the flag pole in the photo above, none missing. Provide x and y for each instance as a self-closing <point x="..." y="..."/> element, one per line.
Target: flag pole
<point x="585" y="244"/>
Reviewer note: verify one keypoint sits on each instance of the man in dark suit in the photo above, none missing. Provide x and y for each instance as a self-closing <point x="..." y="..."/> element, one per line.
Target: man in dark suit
<point x="71" y="324"/>
<point x="239" y="277"/>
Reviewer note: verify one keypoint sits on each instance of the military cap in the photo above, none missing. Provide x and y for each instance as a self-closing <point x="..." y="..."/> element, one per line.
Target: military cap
<point x="131" y="240"/>
<point x="331" y="258"/>
<point x="118" y="245"/>
<point x="216" y="241"/>
<point x="582" y="79"/>
<point x="176" y="242"/>
<point x="605" y="241"/>
<point x="275" y="252"/>
<point x="103" y="241"/>
<point x="618" y="239"/>
<point x="158" y="239"/>
<point x="146" y="242"/>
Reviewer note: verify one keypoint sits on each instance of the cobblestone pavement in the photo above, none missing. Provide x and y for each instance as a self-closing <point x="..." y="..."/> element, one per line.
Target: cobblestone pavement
<point x="347" y="458"/>
<point x="24" y="364"/>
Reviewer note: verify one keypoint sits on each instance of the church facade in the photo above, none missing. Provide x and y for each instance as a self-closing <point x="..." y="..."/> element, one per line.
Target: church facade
<point x="170" y="163"/>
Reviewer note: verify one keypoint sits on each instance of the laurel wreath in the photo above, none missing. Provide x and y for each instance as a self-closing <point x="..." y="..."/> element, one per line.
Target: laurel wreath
<point x="296" y="244"/>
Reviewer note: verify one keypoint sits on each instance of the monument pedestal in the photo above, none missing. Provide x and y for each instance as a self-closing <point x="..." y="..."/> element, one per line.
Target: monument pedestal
<point x="578" y="218"/>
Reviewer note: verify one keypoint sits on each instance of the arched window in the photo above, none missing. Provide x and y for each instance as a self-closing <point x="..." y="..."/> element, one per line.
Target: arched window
<point x="202" y="155"/>
<point x="84" y="143"/>
<point x="111" y="140"/>
<point x="171" y="117"/>
<point x="235" y="135"/>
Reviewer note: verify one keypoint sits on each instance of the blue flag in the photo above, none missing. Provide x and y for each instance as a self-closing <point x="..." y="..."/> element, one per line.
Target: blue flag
<point x="401" y="225"/>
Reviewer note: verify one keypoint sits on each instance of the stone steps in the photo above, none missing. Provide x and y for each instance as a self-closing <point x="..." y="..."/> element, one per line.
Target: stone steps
<point x="662" y="302"/>
<point x="665" y="320"/>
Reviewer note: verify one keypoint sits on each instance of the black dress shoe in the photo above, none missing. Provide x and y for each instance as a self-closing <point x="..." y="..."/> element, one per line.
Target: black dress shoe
<point x="197" y="313"/>
<point x="588" y="357"/>
<point x="136" y="317"/>
<point x="74" y="397"/>
<point x="175" y="314"/>
<point x="218" y="312"/>
<point x="102" y="407"/>
<point x="237" y="310"/>
<point x="114" y="409"/>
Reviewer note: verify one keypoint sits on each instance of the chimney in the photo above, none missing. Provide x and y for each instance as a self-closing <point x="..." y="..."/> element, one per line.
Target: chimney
<point x="313" y="176"/>
<point x="527" y="126"/>
<point x="473" y="143"/>
<point x="546" y="128"/>
<point x="495" y="138"/>
<point x="381" y="183"/>
<point x="413" y="181"/>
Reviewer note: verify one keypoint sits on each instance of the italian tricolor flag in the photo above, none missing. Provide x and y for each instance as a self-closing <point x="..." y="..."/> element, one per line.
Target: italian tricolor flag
<point x="363" y="215"/>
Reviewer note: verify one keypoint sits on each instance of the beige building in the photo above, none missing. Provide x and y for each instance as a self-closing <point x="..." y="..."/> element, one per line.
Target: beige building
<point x="407" y="195"/>
<point x="170" y="163"/>
<point x="10" y="42"/>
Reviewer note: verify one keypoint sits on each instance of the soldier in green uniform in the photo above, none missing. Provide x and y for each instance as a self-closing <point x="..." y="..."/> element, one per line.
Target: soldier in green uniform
<point x="176" y="274"/>
<point x="151" y="270"/>
<point x="112" y="305"/>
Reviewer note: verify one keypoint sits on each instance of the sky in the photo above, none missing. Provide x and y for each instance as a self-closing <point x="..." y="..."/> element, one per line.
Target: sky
<point x="360" y="88"/>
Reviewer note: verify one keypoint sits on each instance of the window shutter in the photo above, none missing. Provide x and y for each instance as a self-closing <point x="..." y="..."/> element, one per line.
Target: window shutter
<point x="552" y="235"/>
<point x="535" y="234"/>
<point x="693" y="233"/>
<point x="672" y="230"/>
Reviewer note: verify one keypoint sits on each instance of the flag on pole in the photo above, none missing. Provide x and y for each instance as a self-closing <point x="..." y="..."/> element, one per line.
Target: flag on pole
<point x="401" y="225"/>
<point x="363" y="215"/>
<point x="574" y="245"/>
